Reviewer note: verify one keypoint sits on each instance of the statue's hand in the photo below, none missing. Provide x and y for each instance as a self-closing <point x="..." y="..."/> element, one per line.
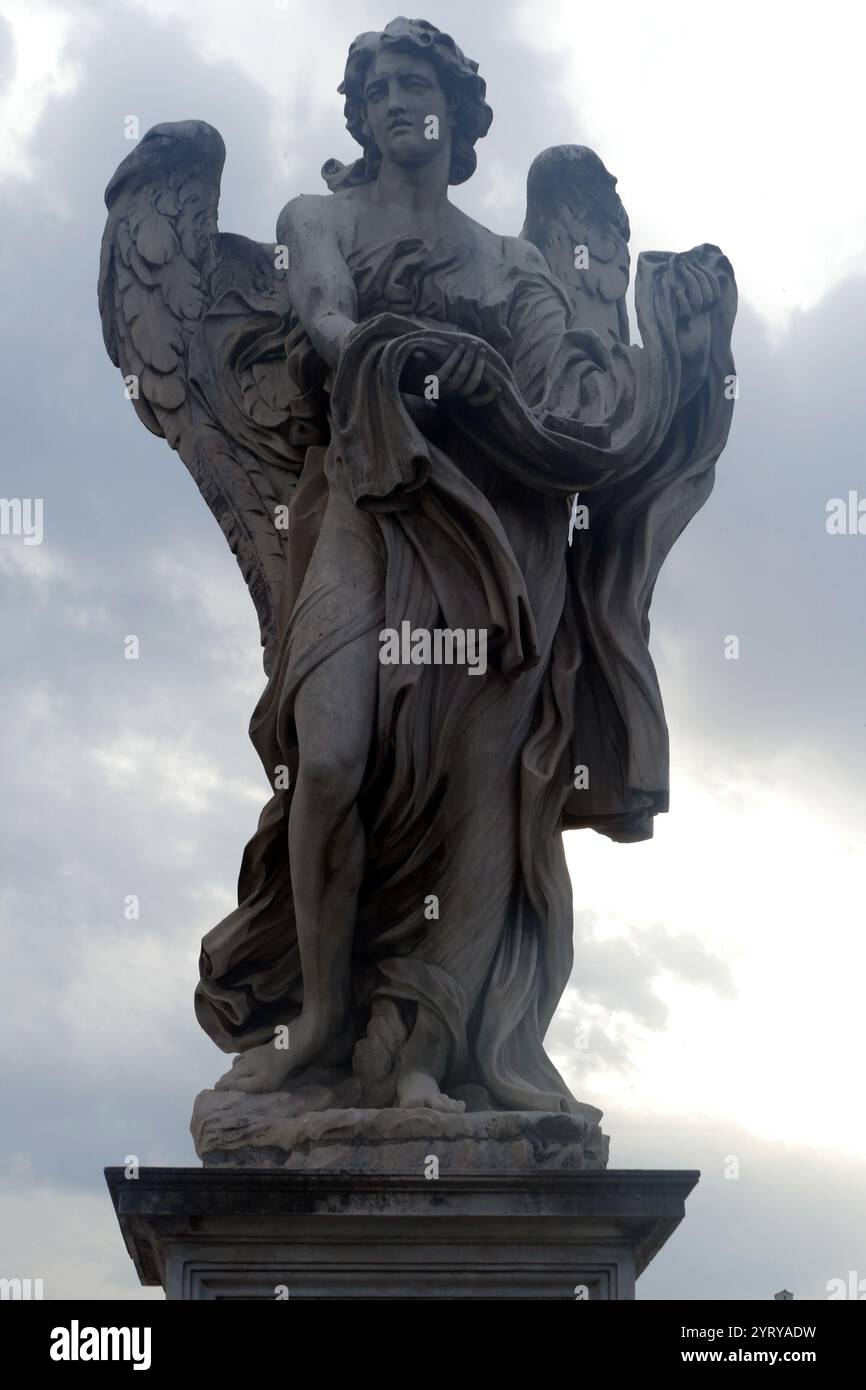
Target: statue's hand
<point x="696" y="287"/>
<point x="464" y="374"/>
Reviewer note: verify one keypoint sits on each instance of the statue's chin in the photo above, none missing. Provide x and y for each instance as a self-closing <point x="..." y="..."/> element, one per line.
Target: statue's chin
<point x="408" y="154"/>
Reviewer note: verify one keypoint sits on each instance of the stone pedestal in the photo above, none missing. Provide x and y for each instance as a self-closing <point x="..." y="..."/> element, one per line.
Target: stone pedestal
<point x="241" y="1232"/>
<point x="287" y="1131"/>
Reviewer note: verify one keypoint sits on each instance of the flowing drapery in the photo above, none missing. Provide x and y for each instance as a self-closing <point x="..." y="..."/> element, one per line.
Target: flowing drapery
<point x="463" y="525"/>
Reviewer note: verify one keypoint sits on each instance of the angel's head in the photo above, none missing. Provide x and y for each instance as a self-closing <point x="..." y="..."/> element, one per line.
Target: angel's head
<point x="399" y="78"/>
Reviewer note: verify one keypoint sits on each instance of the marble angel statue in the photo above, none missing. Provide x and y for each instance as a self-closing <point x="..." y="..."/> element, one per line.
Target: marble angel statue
<point x="399" y="417"/>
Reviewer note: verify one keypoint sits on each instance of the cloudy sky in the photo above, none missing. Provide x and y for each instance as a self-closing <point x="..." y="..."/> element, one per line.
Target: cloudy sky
<point x="719" y="975"/>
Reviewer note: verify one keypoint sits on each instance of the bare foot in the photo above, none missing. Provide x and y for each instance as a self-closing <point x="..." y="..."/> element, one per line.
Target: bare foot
<point x="258" y="1069"/>
<point x="417" y="1090"/>
<point x="263" y="1069"/>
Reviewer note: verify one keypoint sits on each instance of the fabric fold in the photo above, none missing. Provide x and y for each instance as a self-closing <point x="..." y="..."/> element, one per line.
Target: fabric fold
<point x="470" y="781"/>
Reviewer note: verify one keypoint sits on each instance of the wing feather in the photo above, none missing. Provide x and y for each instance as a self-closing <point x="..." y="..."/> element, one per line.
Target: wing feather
<point x="164" y="267"/>
<point x="571" y="202"/>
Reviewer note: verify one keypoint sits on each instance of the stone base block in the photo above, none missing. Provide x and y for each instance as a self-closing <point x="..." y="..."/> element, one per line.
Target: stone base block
<point x="244" y="1233"/>
<point x="282" y="1131"/>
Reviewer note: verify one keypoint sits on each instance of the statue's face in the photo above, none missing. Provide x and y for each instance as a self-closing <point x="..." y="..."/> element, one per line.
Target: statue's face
<point x="402" y="92"/>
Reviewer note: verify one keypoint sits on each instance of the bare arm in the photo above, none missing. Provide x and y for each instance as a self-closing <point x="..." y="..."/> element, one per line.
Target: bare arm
<point x="321" y="287"/>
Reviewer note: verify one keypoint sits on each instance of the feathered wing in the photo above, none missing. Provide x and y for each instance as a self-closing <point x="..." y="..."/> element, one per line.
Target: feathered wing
<point x="576" y="220"/>
<point x="198" y="320"/>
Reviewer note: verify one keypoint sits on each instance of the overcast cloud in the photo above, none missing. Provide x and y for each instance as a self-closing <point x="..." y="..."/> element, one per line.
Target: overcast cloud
<point x="719" y="969"/>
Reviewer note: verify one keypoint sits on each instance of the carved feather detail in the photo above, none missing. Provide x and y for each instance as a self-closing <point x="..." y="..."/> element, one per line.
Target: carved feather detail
<point x="571" y="204"/>
<point x="163" y="267"/>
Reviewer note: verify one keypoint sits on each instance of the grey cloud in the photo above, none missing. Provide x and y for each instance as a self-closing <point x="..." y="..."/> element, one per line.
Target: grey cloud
<point x="619" y="973"/>
<point x="78" y="837"/>
<point x="794" y="1218"/>
<point x="612" y="1001"/>
<point x="7" y="52"/>
<point x="758" y="562"/>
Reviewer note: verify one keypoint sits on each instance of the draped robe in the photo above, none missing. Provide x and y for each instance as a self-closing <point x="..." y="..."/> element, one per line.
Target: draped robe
<point x="457" y="518"/>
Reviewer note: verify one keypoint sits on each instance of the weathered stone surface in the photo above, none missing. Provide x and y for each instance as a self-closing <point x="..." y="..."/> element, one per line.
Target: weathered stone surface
<point x="391" y="412"/>
<point x="226" y="1233"/>
<point x="289" y="1132"/>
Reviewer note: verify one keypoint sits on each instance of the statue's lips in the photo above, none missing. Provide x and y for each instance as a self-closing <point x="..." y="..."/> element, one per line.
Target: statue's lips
<point x="402" y="128"/>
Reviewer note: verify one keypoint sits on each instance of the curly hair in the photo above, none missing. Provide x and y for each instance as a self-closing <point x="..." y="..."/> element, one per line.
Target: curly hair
<point x="458" y="76"/>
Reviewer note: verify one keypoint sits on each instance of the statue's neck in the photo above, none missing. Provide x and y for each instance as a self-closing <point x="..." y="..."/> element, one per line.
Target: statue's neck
<point x="421" y="189"/>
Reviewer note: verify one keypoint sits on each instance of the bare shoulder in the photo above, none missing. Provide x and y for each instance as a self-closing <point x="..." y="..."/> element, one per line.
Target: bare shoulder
<point x="311" y="214"/>
<point x="523" y="254"/>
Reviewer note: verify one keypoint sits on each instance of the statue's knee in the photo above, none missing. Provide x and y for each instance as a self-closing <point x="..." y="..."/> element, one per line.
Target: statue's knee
<point x="327" y="781"/>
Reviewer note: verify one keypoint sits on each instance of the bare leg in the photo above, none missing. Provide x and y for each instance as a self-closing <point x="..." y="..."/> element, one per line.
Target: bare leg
<point x="334" y="715"/>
